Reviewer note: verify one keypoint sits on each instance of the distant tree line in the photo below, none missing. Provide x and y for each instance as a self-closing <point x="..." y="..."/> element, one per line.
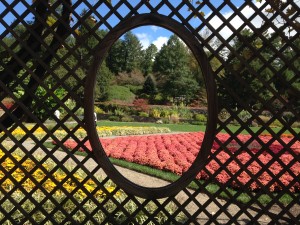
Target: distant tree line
<point x="172" y="72"/>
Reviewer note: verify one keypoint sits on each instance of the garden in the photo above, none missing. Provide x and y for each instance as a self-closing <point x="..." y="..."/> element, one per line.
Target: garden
<point x="60" y="185"/>
<point x="176" y="153"/>
<point x="170" y="149"/>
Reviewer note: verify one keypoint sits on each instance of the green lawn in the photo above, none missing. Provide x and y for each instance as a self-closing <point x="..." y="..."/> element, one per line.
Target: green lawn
<point x="185" y="127"/>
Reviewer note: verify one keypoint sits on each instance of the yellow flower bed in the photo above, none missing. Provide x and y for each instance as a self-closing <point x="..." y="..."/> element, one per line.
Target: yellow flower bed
<point x="102" y="131"/>
<point x="39" y="174"/>
<point x="58" y="184"/>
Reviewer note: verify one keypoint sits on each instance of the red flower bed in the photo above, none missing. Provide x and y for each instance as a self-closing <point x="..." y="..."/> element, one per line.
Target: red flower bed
<point x="176" y="153"/>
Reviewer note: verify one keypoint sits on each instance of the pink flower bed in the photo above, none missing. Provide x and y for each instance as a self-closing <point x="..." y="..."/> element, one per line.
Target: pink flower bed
<point x="176" y="153"/>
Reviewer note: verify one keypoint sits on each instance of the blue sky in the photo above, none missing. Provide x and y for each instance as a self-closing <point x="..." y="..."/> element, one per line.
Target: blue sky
<point x="146" y="34"/>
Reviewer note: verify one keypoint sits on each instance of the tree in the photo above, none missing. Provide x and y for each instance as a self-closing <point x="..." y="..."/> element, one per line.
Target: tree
<point x="13" y="67"/>
<point x="246" y="76"/>
<point x="103" y="80"/>
<point x="148" y="59"/>
<point x="132" y="52"/>
<point x="288" y="10"/>
<point x="115" y="59"/>
<point x="172" y="68"/>
<point x="288" y="82"/>
<point x="149" y="86"/>
<point x="89" y="39"/>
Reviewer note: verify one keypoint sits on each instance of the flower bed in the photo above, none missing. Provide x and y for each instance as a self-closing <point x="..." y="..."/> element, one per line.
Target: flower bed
<point x="101" y="130"/>
<point x="176" y="153"/>
<point x="59" y="185"/>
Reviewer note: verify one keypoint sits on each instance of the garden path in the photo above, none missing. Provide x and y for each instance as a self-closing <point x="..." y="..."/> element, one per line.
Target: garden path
<point x="149" y="181"/>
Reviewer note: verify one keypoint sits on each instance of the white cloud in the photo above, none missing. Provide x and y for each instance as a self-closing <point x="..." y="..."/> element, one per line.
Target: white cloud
<point x="145" y="39"/>
<point x="160" y="41"/>
<point x="236" y="22"/>
<point x="155" y="28"/>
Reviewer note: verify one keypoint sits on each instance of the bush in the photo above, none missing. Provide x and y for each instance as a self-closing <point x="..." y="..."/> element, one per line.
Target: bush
<point x="134" y="89"/>
<point x="155" y="112"/>
<point x="135" y="78"/>
<point x="200" y="118"/>
<point x="164" y="113"/>
<point x="127" y="119"/>
<point x="296" y="125"/>
<point x="244" y="115"/>
<point x="276" y="123"/>
<point x="157" y="99"/>
<point x="174" y="118"/>
<point x="114" y="118"/>
<point x="265" y="119"/>
<point x="119" y="112"/>
<point x="98" y="110"/>
<point x="143" y="114"/>
<point x="288" y="116"/>
<point x="141" y="104"/>
<point x="223" y="115"/>
<point x="184" y="112"/>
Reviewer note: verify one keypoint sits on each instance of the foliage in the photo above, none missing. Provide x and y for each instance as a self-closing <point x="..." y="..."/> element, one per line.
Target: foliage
<point x="125" y="55"/>
<point x="119" y="112"/>
<point x="49" y="102"/>
<point x="114" y="60"/>
<point x="155" y="112"/>
<point x="200" y="117"/>
<point x="149" y="86"/>
<point x="141" y="105"/>
<point x="245" y="77"/>
<point x="143" y="114"/>
<point x="134" y="78"/>
<point x="148" y="58"/>
<point x="244" y="115"/>
<point x="103" y="81"/>
<point x="172" y="70"/>
<point x="120" y="93"/>
<point x="127" y="119"/>
<point x="280" y="5"/>
<point x="98" y="110"/>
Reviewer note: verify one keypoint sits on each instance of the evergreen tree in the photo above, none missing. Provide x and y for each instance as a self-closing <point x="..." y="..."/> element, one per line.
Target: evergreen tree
<point x="148" y="59"/>
<point x="132" y="52"/>
<point x="245" y="78"/>
<point x="149" y="86"/>
<point x="174" y="74"/>
<point x="115" y="58"/>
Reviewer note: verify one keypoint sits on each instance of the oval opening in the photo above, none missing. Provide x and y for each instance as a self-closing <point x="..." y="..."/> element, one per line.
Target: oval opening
<point x="181" y="86"/>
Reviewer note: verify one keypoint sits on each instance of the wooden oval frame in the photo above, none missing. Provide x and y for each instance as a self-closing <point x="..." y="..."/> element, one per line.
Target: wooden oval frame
<point x="98" y="150"/>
